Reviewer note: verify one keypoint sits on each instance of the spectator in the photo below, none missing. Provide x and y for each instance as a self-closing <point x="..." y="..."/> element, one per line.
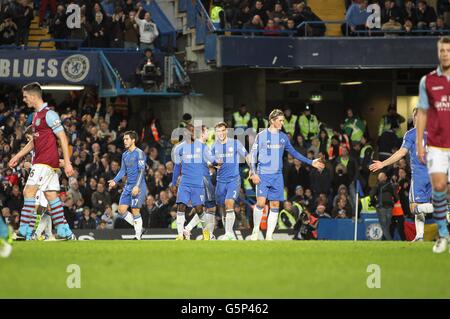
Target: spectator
<point x="22" y="15"/>
<point x="15" y="201"/>
<point x="86" y="221"/>
<point x="255" y="24"/>
<point x="321" y="212"/>
<point x="271" y="26"/>
<point x="58" y="27"/>
<point x="296" y="175"/>
<point x="131" y="33"/>
<point x="309" y="125"/>
<point x="342" y="209"/>
<point x="74" y="192"/>
<point x="161" y="217"/>
<point x="299" y="195"/>
<point x="391" y="121"/>
<point x="217" y="15"/>
<point x="299" y="144"/>
<point x="98" y="31"/>
<point x="242" y="17"/>
<point x="409" y="12"/>
<point x="291" y="26"/>
<point x="100" y="198"/>
<point x="148" y="211"/>
<point x="355" y="18"/>
<point x="109" y="217"/>
<point x="354" y="127"/>
<point x="426" y="16"/>
<point x="118" y="28"/>
<point x="315" y="146"/>
<point x="383" y="198"/>
<point x="321" y="179"/>
<point x="108" y="7"/>
<point x="390" y="13"/>
<point x="43" y="7"/>
<point x="8" y="31"/>
<point x="349" y="163"/>
<point x="147" y="29"/>
<point x="260" y="11"/>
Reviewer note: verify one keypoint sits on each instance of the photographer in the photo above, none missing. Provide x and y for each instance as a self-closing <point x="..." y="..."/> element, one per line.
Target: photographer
<point x="306" y="226"/>
<point x="148" y="71"/>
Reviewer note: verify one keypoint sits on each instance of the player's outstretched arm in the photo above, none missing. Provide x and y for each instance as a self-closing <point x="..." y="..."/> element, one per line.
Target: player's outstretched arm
<point x="24" y="151"/>
<point x="377" y="165"/>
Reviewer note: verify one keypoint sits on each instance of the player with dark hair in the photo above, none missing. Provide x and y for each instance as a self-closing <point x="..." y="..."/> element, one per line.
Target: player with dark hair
<point x="46" y="126"/>
<point x="434" y="116"/>
<point x="135" y="191"/>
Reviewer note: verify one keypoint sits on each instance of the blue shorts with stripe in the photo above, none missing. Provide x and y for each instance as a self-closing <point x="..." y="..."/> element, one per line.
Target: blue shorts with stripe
<point x="227" y="190"/>
<point x="190" y="195"/>
<point x="133" y="201"/>
<point x="420" y="190"/>
<point x="271" y="187"/>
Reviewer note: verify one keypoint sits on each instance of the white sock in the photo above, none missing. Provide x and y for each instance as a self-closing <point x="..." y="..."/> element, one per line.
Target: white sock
<point x="211" y="222"/>
<point x="194" y="222"/>
<point x="229" y="221"/>
<point x="426" y="208"/>
<point x="128" y="218"/>
<point x="181" y="218"/>
<point x="48" y="225"/>
<point x="257" y="216"/>
<point x="203" y="220"/>
<point x="271" y="222"/>
<point x="420" y="226"/>
<point x="42" y="225"/>
<point x="138" y="225"/>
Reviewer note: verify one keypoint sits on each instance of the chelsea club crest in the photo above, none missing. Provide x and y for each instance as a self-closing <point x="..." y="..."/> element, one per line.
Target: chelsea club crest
<point x="75" y="68"/>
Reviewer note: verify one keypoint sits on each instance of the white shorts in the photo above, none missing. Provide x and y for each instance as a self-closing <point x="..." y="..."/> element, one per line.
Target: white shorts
<point x="45" y="177"/>
<point x="40" y="199"/>
<point x="438" y="161"/>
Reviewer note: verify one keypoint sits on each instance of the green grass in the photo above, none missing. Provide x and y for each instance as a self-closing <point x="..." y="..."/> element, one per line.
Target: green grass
<point x="215" y="269"/>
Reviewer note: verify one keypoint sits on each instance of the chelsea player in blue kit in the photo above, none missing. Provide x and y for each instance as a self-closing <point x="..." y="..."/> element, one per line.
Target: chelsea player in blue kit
<point x="266" y="171"/>
<point x="420" y="190"/>
<point x="135" y="191"/>
<point x="229" y="151"/>
<point x="190" y="157"/>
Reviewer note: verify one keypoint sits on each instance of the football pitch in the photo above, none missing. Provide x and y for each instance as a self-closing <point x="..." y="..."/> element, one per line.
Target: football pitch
<point x="217" y="269"/>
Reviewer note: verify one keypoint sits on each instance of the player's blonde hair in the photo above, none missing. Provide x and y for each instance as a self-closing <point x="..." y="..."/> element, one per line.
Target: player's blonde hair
<point x="275" y="113"/>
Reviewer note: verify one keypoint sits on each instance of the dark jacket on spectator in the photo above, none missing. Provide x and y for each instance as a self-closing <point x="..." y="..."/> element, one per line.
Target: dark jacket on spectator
<point x="90" y="223"/>
<point x="383" y="195"/>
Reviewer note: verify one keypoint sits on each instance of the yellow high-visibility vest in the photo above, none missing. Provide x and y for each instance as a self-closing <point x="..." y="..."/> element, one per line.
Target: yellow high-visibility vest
<point x="241" y="121"/>
<point x="289" y="126"/>
<point x="215" y="14"/>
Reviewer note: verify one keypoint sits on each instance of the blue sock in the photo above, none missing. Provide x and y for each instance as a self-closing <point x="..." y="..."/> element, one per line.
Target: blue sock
<point x="26" y="215"/>
<point x="3" y="229"/>
<point x="440" y="206"/>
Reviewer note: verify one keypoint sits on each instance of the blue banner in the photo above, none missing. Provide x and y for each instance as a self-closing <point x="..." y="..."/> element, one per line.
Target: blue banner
<point x="48" y="67"/>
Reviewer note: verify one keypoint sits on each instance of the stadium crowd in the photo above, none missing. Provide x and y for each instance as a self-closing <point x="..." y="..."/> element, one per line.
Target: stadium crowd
<point x="129" y="24"/>
<point x="407" y="17"/>
<point x="95" y="134"/>
<point x="104" y="24"/>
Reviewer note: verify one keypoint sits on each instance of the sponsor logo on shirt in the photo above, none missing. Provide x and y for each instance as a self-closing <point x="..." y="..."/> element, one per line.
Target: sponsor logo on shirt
<point x="437" y="88"/>
<point x="443" y="104"/>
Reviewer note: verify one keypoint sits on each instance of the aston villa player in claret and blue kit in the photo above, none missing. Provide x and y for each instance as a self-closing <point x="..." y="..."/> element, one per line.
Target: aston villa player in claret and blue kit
<point x="434" y="116"/>
<point x="43" y="176"/>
